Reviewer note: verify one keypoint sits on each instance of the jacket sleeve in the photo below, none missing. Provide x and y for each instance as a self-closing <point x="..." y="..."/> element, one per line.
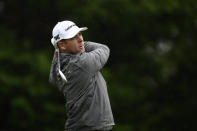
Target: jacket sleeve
<point x="52" y="73"/>
<point x="90" y="46"/>
<point x="95" y="57"/>
<point x="54" y="77"/>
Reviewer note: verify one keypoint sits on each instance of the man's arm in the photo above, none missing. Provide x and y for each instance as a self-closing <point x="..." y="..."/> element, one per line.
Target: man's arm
<point x="95" y="57"/>
<point x="52" y="72"/>
<point x="90" y="46"/>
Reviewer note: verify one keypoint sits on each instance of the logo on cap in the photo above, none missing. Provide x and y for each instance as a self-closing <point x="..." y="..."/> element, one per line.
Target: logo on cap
<point x="70" y="27"/>
<point x="57" y="37"/>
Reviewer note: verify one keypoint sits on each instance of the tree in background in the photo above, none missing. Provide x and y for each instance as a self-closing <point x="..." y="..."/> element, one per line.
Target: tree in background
<point x="150" y="74"/>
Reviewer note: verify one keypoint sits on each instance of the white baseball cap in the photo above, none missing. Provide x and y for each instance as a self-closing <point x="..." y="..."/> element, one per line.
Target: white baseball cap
<point x="65" y="30"/>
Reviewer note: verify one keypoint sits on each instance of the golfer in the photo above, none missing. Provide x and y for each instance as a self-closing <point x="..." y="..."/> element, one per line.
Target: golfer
<point x="75" y="70"/>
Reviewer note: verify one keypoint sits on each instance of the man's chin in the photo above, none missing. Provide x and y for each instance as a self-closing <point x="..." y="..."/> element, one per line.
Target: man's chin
<point x="82" y="50"/>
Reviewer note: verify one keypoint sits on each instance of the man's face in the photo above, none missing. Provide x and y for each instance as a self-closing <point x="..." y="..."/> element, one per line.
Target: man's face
<point x="73" y="45"/>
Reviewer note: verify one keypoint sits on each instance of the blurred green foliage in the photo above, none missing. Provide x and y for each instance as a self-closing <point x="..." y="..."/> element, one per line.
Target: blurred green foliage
<point x="151" y="73"/>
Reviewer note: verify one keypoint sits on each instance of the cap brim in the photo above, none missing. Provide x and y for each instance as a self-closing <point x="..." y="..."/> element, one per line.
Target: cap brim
<point x="83" y="28"/>
<point x="75" y="32"/>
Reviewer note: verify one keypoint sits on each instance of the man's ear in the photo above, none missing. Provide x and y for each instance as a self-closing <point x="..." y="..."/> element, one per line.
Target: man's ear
<point x="60" y="45"/>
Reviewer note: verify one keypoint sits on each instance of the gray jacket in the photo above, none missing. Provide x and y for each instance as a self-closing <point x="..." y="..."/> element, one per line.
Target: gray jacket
<point x="87" y="102"/>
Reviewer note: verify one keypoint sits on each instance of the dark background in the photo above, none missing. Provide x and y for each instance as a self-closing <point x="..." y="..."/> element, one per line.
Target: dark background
<point x="151" y="73"/>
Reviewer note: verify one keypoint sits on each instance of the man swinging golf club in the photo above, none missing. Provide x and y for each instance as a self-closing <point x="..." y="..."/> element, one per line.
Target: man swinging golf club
<point x="75" y="70"/>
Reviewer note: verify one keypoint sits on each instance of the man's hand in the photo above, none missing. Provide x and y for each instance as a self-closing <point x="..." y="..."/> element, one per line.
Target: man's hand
<point x="54" y="56"/>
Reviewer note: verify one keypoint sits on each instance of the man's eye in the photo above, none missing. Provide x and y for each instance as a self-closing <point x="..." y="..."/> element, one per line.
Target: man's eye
<point x="72" y="38"/>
